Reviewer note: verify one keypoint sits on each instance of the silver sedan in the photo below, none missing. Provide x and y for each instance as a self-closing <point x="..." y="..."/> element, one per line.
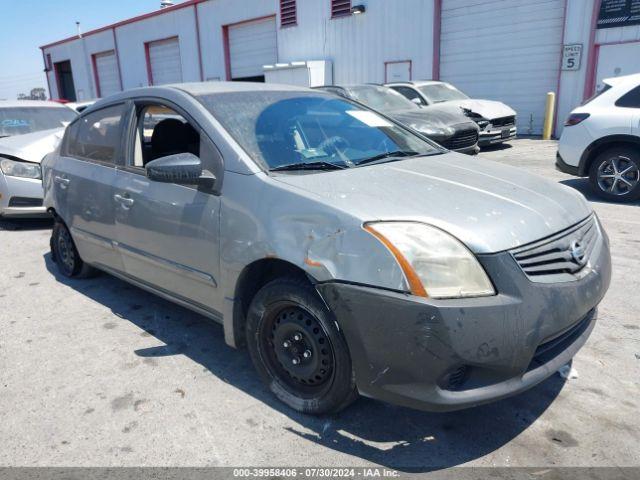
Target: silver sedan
<point x="28" y="131"/>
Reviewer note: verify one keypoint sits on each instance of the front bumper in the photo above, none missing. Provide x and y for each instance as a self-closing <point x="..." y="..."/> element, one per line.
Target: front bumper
<point x="441" y="355"/>
<point x="463" y="140"/>
<point x="21" y="197"/>
<point x="495" y="135"/>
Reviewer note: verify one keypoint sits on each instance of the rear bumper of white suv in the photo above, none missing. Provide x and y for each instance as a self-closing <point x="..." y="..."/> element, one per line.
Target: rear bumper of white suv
<point x="564" y="167"/>
<point x="571" y="148"/>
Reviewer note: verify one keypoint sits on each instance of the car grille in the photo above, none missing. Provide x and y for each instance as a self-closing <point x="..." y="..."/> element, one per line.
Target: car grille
<point x="552" y="347"/>
<point x="462" y="139"/>
<point x="561" y="258"/>
<point x="504" y="121"/>
<point x="25" y="202"/>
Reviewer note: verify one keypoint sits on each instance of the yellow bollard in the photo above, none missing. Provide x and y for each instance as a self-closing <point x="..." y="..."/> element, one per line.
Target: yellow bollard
<point x="548" y="116"/>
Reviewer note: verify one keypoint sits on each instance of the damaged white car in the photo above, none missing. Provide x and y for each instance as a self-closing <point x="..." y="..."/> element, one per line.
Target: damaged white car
<point x="28" y="131"/>
<point x="497" y="121"/>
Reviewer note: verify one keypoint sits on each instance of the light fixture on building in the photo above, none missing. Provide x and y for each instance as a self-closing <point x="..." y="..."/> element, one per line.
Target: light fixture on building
<point x="358" y="9"/>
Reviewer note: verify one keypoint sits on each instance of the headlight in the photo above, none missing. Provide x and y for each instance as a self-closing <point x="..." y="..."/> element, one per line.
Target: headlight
<point x="435" y="263"/>
<point x="13" y="168"/>
<point x="429" y="130"/>
<point x="483" y="124"/>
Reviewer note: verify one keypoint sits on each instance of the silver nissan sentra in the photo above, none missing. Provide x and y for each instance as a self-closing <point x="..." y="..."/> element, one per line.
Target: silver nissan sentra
<point x="349" y="254"/>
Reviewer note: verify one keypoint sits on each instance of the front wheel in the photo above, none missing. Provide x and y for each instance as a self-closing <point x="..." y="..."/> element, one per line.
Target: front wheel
<point x="615" y="174"/>
<point x="298" y="349"/>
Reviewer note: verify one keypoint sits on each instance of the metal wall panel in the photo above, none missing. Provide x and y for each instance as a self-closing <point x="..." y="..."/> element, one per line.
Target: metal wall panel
<point x="359" y="45"/>
<point x="506" y="50"/>
<point x="616" y="60"/>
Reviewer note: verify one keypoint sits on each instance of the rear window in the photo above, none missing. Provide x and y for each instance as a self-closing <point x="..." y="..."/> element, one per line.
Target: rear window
<point x="441" y="92"/>
<point x="23" y="120"/>
<point x="630" y="99"/>
<point x="383" y="99"/>
<point x="597" y="94"/>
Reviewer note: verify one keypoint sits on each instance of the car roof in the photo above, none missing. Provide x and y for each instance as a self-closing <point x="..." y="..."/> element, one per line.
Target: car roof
<point x="192" y="89"/>
<point x="630" y="80"/>
<point x="358" y="85"/>
<point x="206" y="88"/>
<point x="417" y="83"/>
<point x="30" y="103"/>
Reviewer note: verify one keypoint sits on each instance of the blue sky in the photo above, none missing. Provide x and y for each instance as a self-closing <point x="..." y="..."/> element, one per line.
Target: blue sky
<point x="27" y="24"/>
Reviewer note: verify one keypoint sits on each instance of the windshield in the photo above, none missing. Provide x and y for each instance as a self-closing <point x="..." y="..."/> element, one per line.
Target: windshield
<point x="283" y="128"/>
<point x="383" y="99"/>
<point x="22" y="120"/>
<point x="441" y="92"/>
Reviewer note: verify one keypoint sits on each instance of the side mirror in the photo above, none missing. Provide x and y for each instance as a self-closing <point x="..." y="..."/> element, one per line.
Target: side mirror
<point x="182" y="168"/>
<point x="417" y="101"/>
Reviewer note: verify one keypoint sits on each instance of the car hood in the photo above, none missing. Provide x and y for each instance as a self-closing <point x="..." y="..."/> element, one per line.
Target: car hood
<point x="488" y="206"/>
<point x="488" y="109"/>
<point x="31" y="147"/>
<point x="446" y="116"/>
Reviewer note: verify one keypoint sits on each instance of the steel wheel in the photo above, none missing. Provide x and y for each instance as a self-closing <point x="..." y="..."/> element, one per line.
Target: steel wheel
<point x="618" y="176"/>
<point x="297" y="350"/>
<point x="65" y="251"/>
<point x="66" y="255"/>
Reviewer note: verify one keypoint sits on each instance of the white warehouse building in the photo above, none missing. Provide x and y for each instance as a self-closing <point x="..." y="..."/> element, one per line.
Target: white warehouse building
<point x="514" y="51"/>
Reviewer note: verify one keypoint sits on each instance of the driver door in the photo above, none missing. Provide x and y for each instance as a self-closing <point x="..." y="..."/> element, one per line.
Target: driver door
<point x="168" y="234"/>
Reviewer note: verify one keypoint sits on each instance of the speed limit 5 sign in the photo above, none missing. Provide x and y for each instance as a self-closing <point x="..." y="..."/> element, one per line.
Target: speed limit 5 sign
<point x="571" y="56"/>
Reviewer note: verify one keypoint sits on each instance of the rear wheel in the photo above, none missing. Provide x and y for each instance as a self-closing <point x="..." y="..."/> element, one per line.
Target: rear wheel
<point x="615" y="174"/>
<point x="298" y="349"/>
<point x="66" y="255"/>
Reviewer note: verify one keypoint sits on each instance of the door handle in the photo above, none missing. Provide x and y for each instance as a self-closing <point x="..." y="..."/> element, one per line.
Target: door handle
<point x="63" y="182"/>
<point x="124" y="201"/>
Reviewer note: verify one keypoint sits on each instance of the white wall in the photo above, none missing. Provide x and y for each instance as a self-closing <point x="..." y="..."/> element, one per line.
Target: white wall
<point x="79" y="53"/>
<point x="217" y="13"/>
<point x="132" y="38"/>
<point x="359" y="45"/>
<point x="577" y="30"/>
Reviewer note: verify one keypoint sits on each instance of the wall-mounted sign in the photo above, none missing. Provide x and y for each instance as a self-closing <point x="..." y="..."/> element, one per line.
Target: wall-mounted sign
<point x="571" y="56"/>
<point x="619" y="13"/>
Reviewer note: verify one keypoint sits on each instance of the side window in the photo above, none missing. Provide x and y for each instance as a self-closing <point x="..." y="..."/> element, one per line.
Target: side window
<point x="162" y="131"/>
<point x="630" y="99"/>
<point x="411" y="94"/>
<point x="97" y="136"/>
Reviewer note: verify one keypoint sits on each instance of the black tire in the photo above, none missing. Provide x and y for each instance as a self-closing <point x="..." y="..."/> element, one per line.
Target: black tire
<point x="284" y="310"/>
<point x="612" y="162"/>
<point x="66" y="255"/>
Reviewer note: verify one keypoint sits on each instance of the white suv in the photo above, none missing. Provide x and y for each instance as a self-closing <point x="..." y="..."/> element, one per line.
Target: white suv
<point x="601" y="140"/>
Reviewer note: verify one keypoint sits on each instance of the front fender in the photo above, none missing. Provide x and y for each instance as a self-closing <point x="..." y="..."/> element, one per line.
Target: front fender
<point x="279" y="221"/>
<point x="261" y="218"/>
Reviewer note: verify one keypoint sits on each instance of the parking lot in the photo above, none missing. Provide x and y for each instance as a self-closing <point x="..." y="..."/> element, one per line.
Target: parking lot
<point x="97" y="372"/>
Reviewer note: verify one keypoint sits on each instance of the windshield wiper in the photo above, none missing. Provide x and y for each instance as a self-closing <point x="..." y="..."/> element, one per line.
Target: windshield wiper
<point x="308" y="166"/>
<point x="388" y="155"/>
